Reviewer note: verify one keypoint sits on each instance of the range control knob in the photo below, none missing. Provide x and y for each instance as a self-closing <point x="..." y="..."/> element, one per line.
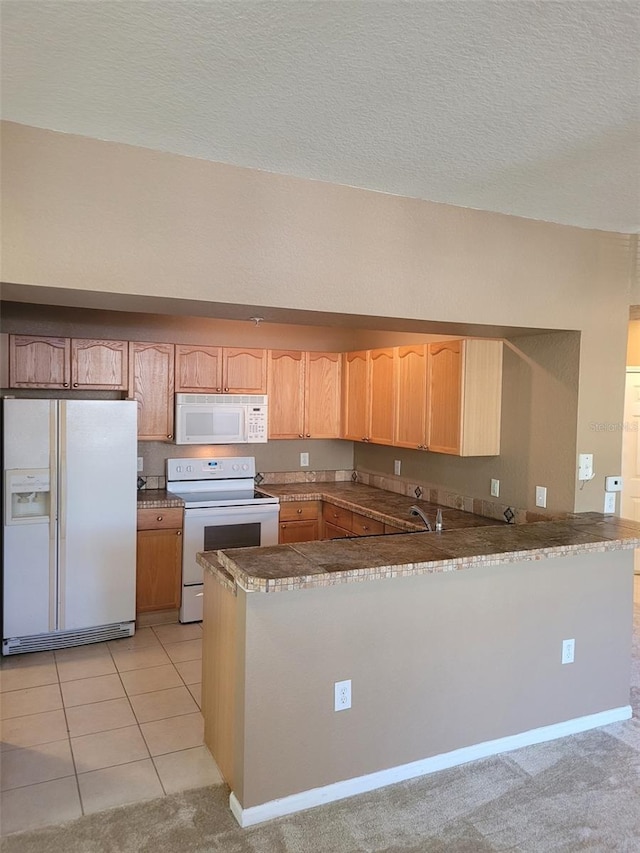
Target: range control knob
<point x="245" y="467"/>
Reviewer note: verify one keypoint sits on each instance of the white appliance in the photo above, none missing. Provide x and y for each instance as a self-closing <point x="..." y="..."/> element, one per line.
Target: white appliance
<point x="221" y="510"/>
<point x="221" y="418"/>
<point x="69" y="553"/>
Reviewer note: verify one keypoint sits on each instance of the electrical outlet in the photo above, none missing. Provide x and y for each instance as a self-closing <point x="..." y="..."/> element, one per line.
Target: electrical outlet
<point x="342" y="695"/>
<point x="585" y="466"/>
<point x="613" y="484"/>
<point x="140" y="464"/>
<point x="568" y="651"/>
<point x="397" y="464"/>
<point x="495" y="488"/>
<point x="304" y="460"/>
<point x="609" y="503"/>
<point x="541" y="496"/>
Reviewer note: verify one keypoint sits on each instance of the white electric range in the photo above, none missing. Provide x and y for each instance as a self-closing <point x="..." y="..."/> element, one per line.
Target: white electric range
<point x="222" y="509"/>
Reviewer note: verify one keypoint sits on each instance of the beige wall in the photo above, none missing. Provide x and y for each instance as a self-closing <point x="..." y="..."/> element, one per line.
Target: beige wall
<point x="88" y="215"/>
<point x="437" y="662"/>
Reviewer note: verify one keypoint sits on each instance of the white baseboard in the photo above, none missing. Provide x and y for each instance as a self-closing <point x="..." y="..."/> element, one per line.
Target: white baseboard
<point x="362" y="784"/>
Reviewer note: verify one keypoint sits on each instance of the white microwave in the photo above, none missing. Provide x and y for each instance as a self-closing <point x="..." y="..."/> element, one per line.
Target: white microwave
<point x="221" y="418"/>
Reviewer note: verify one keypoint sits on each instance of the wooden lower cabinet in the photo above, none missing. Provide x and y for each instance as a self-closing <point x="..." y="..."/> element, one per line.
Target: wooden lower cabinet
<point x="299" y="522"/>
<point x="159" y="560"/>
<point x="331" y="531"/>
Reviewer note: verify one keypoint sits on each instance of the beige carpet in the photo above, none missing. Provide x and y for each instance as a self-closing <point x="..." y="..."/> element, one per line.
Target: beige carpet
<point x="580" y="793"/>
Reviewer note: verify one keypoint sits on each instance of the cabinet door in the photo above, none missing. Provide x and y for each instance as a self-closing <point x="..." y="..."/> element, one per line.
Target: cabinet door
<point x="297" y="531"/>
<point x="244" y="370"/>
<point x="322" y="394"/>
<point x="151" y="384"/>
<point x="39" y="362"/>
<point x="382" y="384"/>
<point x="411" y="396"/>
<point x="158" y="570"/>
<point x="99" y="364"/>
<point x="445" y="398"/>
<point x="198" y="369"/>
<point x="355" y="411"/>
<point x="285" y="387"/>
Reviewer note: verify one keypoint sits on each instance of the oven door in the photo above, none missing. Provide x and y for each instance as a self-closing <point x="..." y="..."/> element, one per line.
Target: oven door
<point x="217" y="528"/>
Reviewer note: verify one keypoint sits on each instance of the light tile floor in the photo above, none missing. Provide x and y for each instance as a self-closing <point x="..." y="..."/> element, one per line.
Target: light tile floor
<point x="97" y="726"/>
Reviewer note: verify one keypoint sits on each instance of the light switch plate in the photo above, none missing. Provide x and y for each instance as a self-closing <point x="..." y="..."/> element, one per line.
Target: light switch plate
<point x="140" y="464"/>
<point x="541" y="496"/>
<point x="585" y="466"/>
<point x="495" y="488"/>
<point x="304" y="460"/>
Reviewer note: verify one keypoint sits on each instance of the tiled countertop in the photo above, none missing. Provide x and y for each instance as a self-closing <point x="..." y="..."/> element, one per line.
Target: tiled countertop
<point x="158" y="499"/>
<point x="378" y="504"/>
<point x="280" y="568"/>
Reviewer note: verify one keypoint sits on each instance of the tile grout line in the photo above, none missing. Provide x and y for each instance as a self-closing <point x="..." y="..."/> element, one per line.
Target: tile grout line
<point x="135" y="716"/>
<point x="66" y="722"/>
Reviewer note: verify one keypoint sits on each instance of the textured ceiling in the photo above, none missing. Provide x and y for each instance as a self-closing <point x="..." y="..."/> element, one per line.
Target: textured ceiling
<point x="516" y="106"/>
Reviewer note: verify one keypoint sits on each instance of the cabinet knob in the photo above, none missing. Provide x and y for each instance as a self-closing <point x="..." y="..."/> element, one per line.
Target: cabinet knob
<point x="364" y="438"/>
<point x="159" y="518"/>
<point x="226" y="389"/>
<point x="300" y="435"/>
<point x="178" y="532"/>
<point x="75" y="384"/>
<point x="365" y="526"/>
<point x="65" y="384"/>
<point x="170" y="435"/>
<point x="218" y="389"/>
<point x="283" y="526"/>
<point x="298" y="511"/>
<point x="308" y="435"/>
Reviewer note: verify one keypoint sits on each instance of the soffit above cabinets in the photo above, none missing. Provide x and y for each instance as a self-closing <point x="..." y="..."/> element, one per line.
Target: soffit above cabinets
<point x="522" y="108"/>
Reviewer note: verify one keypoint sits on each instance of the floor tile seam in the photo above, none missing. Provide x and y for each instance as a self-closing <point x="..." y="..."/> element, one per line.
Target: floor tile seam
<point x="73" y="758"/>
<point x="155" y="690"/>
<point x="169" y="751"/>
<point x="33" y="687"/>
<point x="41" y="782"/>
<point x="80" y="773"/>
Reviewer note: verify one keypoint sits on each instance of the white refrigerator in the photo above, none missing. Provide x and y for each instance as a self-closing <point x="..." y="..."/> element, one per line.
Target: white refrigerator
<point x="69" y="544"/>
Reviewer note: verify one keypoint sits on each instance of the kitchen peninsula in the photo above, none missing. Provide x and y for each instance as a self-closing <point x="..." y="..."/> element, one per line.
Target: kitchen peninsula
<point x="452" y="643"/>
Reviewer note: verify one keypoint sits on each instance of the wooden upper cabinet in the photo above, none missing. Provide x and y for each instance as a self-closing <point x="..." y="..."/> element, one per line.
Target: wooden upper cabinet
<point x="39" y="362"/>
<point x="465" y="394"/>
<point x="83" y="364"/>
<point x="285" y="387"/>
<point x="304" y="394"/>
<point x="411" y="406"/>
<point x="198" y="369"/>
<point x="151" y="383"/>
<point x="244" y="371"/>
<point x="99" y="364"/>
<point x="382" y="396"/>
<point x="355" y="401"/>
<point x="322" y="394"/>
<point x="445" y="397"/>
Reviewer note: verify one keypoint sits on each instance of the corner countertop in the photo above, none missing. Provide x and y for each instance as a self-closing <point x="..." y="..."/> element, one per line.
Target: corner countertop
<point x="379" y="504"/>
<point x="280" y="568"/>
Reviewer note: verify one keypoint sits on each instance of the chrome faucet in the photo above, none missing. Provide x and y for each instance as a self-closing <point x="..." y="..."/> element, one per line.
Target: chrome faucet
<point x="415" y="510"/>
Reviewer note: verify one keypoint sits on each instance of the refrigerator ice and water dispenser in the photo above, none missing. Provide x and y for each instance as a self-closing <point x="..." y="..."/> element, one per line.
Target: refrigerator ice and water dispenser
<point x="27" y="495"/>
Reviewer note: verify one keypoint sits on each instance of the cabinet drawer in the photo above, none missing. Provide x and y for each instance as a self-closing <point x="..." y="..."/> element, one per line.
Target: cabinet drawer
<point x="337" y="516"/>
<point x="153" y="519"/>
<point x="389" y="528"/>
<point x="363" y="526"/>
<point x="333" y="532"/>
<point x="298" y="510"/>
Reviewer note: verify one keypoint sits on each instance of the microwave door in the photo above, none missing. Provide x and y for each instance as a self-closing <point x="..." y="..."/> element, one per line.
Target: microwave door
<point x="224" y="425"/>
